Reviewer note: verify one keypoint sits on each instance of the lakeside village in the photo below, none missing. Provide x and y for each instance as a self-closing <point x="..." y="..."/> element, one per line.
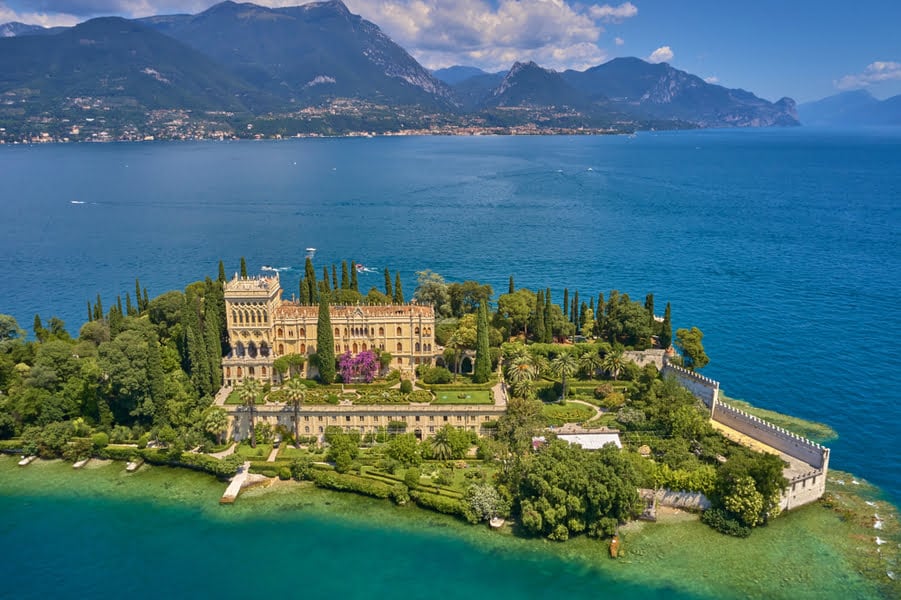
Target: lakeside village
<point x="564" y="419"/>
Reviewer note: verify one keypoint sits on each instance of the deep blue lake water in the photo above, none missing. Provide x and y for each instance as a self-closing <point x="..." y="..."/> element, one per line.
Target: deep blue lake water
<point x="783" y="246"/>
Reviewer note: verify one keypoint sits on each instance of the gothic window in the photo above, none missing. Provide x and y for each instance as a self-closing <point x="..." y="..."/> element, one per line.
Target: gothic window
<point x="252" y="350"/>
<point x="280" y="332"/>
<point x="303" y="348"/>
<point x="418" y="347"/>
<point x="381" y="331"/>
<point x="400" y="331"/>
<point x="281" y="349"/>
<point x="239" y="349"/>
<point x="364" y="348"/>
<point x="303" y="332"/>
<point x="416" y="331"/>
<point x="354" y="348"/>
<point x="400" y="347"/>
<point x="337" y="332"/>
<point x="264" y="349"/>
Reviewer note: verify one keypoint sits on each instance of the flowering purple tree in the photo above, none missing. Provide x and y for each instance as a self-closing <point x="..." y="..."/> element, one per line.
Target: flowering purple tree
<point x="360" y="368"/>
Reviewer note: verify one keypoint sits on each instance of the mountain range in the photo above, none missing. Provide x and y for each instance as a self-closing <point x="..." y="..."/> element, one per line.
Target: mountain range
<point x="852" y="109"/>
<point x="318" y="67"/>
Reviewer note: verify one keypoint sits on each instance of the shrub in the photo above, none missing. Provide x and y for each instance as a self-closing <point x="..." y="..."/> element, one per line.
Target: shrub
<point x="411" y="478"/>
<point x="394" y="375"/>
<point x="603" y="390"/>
<point x="399" y="494"/>
<point x="420" y="396"/>
<point x="302" y="468"/>
<point x="284" y="473"/>
<point x="406" y="386"/>
<point x="143" y="440"/>
<point x="100" y="440"/>
<point x="719" y="519"/>
<point x="437" y="375"/>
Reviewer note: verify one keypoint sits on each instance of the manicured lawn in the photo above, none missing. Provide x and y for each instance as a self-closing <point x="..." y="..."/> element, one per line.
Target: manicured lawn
<point x="260" y="452"/>
<point x="463" y="397"/>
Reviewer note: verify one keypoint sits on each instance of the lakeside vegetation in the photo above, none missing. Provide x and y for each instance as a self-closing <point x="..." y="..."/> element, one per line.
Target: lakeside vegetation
<point x="138" y="382"/>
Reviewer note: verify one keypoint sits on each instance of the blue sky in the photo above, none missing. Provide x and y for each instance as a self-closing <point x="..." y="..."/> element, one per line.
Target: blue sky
<point x="803" y="49"/>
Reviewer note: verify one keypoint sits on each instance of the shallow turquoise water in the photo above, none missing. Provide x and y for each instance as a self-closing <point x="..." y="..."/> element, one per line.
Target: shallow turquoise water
<point x="160" y="533"/>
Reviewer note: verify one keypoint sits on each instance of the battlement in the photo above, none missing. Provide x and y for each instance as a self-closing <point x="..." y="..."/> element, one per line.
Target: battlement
<point x="262" y="285"/>
<point x="705" y="389"/>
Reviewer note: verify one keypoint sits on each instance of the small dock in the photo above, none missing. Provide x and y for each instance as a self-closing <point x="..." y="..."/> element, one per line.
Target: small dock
<point x="27" y="460"/>
<point x="134" y="465"/>
<point x="237" y="482"/>
<point x="80" y="463"/>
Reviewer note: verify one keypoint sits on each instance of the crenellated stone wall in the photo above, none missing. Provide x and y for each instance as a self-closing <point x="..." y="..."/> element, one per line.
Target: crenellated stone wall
<point x="704" y="388"/>
<point x="808" y="462"/>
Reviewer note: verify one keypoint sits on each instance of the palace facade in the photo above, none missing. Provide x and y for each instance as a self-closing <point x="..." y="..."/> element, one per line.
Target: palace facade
<point x="262" y="326"/>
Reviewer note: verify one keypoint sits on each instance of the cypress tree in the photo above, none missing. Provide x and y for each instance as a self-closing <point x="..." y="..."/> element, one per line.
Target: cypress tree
<point x="129" y="308"/>
<point x="222" y="278"/>
<point x="537" y="318"/>
<point x="90" y="313"/>
<point x="354" y="284"/>
<point x="327" y="286"/>
<point x="304" y="292"/>
<point x="574" y="310"/>
<point x="195" y="347"/>
<point x="98" y="309"/>
<point x="140" y="302"/>
<point x="243" y="268"/>
<point x="388" y="291"/>
<point x="582" y="314"/>
<point x="512" y="288"/>
<point x="599" y="316"/>
<point x="119" y="305"/>
<point x="309" y="295"/>
<point x="565" y="306"/>
<point x="325" y="343"/>
<point x="398" y="289"/>
<point x="334" y="277"/>
<point x="548" y="333"/>
<point x="591" y="304"/>
<point x="482" y="369"/>
<point x="157" y="380"/>
<point x="114" y="318"/>
<point x="649" y="305"/>
<point x="211" y="335"/>
<point x="345" y="281"/>
<point x="666" y="334"/>
<point x="38" y="328"/>
<point x="146" y="300"/>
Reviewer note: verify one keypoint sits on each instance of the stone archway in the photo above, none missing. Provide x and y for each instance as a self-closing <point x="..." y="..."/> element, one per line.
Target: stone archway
<point x="466" y="365"/>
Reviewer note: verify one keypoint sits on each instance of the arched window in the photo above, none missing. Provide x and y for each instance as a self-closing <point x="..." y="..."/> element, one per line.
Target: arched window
<point x="264" y="349"/>
<point x="253" y="316"/>
<point x="264" y="371"/>
<point x="306" y="429"/>
<point x="400" y="347"/>
<point x="416" y="331"/>
<point x="228" y="371"/>
<point x="345" y="332"/>
<point x="364" y="348"/>
<point x="240" y="372"/>
<point x="381" y="331"/>
<point x="280" y="332"/>
<point x="239" y="349"/>
<point x="252" y="350"/>
<point x="303" y="332"/>
<point x="418" y="348"/>
<point x="303" y="348"/>
<point x="281" y="349"/>
<point x="354" y="348"/>
<point x="234" y="316"/>
<point x="400" y="331"/>
<point x="337" y="331"/>
<point x="250" y="371"/>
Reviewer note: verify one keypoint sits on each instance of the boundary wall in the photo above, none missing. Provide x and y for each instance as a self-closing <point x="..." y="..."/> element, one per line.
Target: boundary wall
<point x="805" y="485"/>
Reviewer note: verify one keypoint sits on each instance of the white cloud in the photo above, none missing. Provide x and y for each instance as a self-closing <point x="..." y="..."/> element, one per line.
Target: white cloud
<point x="712" y="79"/>
<point x="875" y="72"/>
<point x="614" y="14"/>
<point x="661" y="54"/>
<point x="36" y="18"/>
<point x="619" y="41"/>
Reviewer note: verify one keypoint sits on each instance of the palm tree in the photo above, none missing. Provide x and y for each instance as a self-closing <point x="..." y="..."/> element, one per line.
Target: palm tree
<point x="614" y="363"/>
<point x="441" y="447"/>
<point x="520" y="373"/>
<point x="295" y="394"/>
<point x="455" y="341"/>
<point x="564" y="365"/>
<point x="215" y="421"/>
<point x="249" y="392"/>
<point x="589" y="363"/>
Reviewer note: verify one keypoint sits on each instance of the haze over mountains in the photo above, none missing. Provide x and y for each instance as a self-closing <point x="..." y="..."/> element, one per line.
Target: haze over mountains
<point x="320" y="68"/>
<point x="852" y="109"/>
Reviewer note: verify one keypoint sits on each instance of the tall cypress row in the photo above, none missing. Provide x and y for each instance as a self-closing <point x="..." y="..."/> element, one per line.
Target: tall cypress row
<point x="354" y="283"/>
<point x="345" y="280"/>
<point x="583" y="313"/>
<point x="325" y="343"/>
<point x="222" y="278"/>
<point x="574" y="310"/>
<point x="398" y="289"/>
<point x="98" y="309"/>
<point x="212" y="335"/>
<point x="327" y="286"/>
<point x="138" y="299"/>
<point x="304" y="292"/>
<point x="129" y="308"/>
<point x="482" y="369"/>
<point x="146" y="300"/>
<point x="511" y="288"/>
<point x="90" y="312"/>
<point x="565" y="305"/>
<point x="243" y="268"/>
<point x="334" y="278"/>
<point x="649" y="306"/>
<point x="388" y="291"/>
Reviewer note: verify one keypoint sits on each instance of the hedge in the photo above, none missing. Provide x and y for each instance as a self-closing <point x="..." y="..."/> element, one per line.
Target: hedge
<point x="350" y="483"/>
<point x="442" y="504"/>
